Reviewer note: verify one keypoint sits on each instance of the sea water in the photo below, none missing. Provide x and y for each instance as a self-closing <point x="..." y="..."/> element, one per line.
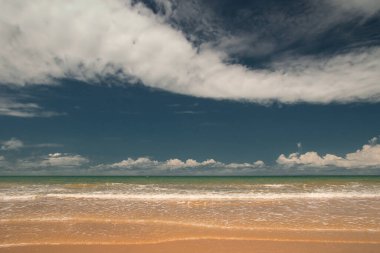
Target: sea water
<point x="38" y="210"/>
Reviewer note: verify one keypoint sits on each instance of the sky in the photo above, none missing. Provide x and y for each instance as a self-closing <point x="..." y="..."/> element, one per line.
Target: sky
<point x="169" y="87"/>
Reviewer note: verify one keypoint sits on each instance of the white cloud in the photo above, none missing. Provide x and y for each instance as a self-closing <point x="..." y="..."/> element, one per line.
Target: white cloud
<point x="53" y="160"/>
<point x="88" y="40"/>
<point x="74" y="164"/>
<point x="373" y="140"/>
<point x="139" y="162"/>
<point x="366" y="157"/>
<point x="63" y="160"/>
<point x="51" y="164"/>
<point x="257" y="164"/>
<point x="189" y="166"/>
<point x="189" y="163"/>
<point x="12" y="144"/>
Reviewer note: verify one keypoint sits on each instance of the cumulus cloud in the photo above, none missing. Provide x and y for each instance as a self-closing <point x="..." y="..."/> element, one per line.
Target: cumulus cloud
<point x="63" y="160"/>
<point x="145" y="165"/>
<point x="92" y="41"/>
<point x="373" y="140"/>
<point x="53" y="160"/>
<point x="74" y="164"/>
<point x="12" y="144"/>
<point x="139" y="162"/>
<point x="366" y="157"/>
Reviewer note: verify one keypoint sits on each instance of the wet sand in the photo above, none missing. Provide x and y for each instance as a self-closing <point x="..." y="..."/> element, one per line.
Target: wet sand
<point x="209" y="246"/>
<point x="190" y="215"/>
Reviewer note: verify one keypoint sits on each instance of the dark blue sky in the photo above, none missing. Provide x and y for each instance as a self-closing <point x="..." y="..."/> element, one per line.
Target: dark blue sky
<point x="109" y="124"/>
<point x="111" y="116"/>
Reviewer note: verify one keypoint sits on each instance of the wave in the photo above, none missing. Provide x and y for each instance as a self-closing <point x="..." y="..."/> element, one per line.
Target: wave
<point x="221" y="196"/>
<point x="18" y="197"/>
<point x="264" y="196"/>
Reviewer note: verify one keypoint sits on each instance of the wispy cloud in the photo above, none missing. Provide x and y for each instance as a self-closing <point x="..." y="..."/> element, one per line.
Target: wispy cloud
<point x="189" y="112"/>
<point x="10" y="107"/>
<point x="15" y="144"/>
<point x="46" y="145"/>
<point x="12" y="144"/>
<point x="129" y="42"/>
<point x="264" y="32"/>
<point x="365" y="7"/>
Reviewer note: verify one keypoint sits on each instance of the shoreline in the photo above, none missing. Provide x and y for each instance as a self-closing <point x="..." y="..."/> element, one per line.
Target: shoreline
<point x="209" y="245"/>
<point x="189" y="239"/>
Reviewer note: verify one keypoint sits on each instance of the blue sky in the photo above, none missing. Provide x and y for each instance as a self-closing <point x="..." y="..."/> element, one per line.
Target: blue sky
<point x="169" y="87"/>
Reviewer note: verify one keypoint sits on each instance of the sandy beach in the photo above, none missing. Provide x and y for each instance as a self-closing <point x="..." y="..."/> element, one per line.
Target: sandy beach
<point x="209" y="246"/>
<point x="190" y="215"/>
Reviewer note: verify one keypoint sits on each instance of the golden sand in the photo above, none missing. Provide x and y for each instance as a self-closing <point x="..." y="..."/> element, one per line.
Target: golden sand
<point x="209" y="246"/>
<point x="222" y="216"/>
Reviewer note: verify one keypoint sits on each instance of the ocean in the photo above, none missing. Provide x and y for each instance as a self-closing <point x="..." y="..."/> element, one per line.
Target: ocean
<point x="117" y="210"/>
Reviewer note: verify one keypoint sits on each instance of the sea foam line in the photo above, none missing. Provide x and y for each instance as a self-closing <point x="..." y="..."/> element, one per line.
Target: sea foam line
<point x="222" y="196"/>
<point x="196" y="196"/>
<point x="175" y="223"/>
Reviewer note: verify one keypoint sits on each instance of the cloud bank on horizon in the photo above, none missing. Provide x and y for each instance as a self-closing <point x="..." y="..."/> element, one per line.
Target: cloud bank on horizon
<point x="44" y="41"/>
<point x="365" y="159"/>
<point x="145" y="165"/>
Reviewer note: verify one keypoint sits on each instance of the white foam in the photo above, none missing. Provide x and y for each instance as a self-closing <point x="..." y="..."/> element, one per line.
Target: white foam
<point x="196" y="196"/>
<point x="216" y="196"/>
<point x="274" y="185"/>
<point x="154" y="192"/>
<point x="17" y="197"/>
